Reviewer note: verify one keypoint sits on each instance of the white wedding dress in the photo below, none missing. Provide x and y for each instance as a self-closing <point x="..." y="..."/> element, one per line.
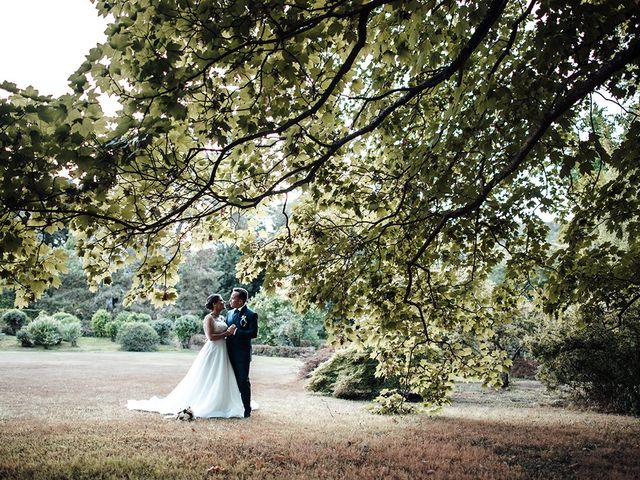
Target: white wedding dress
<point x="209" y="387"/>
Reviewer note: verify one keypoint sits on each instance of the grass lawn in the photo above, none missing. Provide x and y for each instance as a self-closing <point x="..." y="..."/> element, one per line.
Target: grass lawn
<point x="63" y="415"/>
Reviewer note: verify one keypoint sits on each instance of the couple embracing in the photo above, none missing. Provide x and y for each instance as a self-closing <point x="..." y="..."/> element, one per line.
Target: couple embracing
<point x="217" y="383"/>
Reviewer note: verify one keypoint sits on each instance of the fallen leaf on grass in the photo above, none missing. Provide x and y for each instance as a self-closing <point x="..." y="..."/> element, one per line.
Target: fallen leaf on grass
<point x="215" y="469"/>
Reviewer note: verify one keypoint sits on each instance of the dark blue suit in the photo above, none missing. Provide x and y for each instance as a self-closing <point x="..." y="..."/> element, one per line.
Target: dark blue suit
<point x="239" y="349"/>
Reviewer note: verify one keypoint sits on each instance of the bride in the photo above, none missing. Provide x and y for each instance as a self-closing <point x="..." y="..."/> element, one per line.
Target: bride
<point x="209" y="388"/>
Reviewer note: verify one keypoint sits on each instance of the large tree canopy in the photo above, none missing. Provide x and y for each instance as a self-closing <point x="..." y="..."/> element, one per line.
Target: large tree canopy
<point x="422" y="139"/>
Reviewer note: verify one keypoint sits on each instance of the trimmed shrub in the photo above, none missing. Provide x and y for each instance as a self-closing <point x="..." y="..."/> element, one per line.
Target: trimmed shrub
<point x="198" y="340"/>
<point x="44" y="331"/>
<point x="137" y="337"/>
<point x="64" y="317"/>
<point x="13" y="321"/>
<point x="355" y="385"/>
<point x="123" y="317"/>
<point x="185" y="326"/>
<point x="348" y="374"/>
<point x="23" y="338"/>
<point x="86" y="329"/>
<point x="31" y="313"/>
<point x="282" y="351"/>
<point x="71" y="332"/>
<point x="99" y="321"/>
<point x="112" y="328"/>
<point x="163" y="328"/>
<point x="139" y="317"/>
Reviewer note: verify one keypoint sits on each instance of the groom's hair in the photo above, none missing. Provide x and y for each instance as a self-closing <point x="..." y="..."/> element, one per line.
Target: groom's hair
<point x="242" y="293"/>
<point x="211" y="301"/>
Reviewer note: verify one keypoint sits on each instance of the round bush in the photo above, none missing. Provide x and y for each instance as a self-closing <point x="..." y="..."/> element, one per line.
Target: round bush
<point x="123" y="317"/>
<point x="13" y="321"/>
<point x="64" y="317"/>
<point x="139" y="317"/>
<point x="185" y="326"/>
<point x="71" y="332"/>
<point x="23" y="338"/>
<point x="44" y="331"/>
<point x="99" y="321"/>
<point x="112" y="329"/>
<point x="163" y="328"/>
<point x="137" y="337"/>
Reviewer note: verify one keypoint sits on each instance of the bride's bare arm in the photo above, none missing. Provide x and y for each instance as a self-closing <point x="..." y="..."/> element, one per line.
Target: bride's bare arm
<point x="208" y="330"/>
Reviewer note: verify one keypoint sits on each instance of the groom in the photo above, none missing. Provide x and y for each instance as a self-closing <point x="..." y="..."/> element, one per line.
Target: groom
<point x="239" y="344"/>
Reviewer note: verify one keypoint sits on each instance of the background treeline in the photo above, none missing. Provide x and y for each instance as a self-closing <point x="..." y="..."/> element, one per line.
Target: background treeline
<point x="202" y="273"/>
<point x="102" y="313"/>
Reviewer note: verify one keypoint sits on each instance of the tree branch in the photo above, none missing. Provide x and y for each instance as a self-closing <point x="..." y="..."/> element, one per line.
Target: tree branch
<point x="579" y="92"/>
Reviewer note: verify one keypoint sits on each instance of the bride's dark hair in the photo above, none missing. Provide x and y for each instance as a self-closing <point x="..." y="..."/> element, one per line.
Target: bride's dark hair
<point x="212" y="300"/>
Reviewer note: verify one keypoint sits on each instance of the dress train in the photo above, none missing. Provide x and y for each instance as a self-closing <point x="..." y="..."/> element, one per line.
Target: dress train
<point x="209" y="388"/>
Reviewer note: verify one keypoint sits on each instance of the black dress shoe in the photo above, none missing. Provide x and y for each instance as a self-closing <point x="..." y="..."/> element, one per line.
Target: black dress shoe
<point x="247" y="414"/>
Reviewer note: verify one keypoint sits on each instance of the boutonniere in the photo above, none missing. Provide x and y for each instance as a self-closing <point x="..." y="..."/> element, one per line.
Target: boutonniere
<point x="243" y="321"/>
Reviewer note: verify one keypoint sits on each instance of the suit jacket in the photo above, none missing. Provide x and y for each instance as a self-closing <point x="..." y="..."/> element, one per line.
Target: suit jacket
<point x="239" y="344"/>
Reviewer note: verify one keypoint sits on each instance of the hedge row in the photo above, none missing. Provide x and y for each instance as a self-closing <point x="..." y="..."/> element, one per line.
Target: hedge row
<point x="197" y="341"/>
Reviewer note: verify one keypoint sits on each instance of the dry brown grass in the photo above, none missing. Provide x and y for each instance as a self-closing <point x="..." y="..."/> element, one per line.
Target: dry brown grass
<point x="62" y="415"/>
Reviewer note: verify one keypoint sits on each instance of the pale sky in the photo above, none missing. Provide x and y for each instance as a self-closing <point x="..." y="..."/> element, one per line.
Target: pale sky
<point x="42" y="42"/>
